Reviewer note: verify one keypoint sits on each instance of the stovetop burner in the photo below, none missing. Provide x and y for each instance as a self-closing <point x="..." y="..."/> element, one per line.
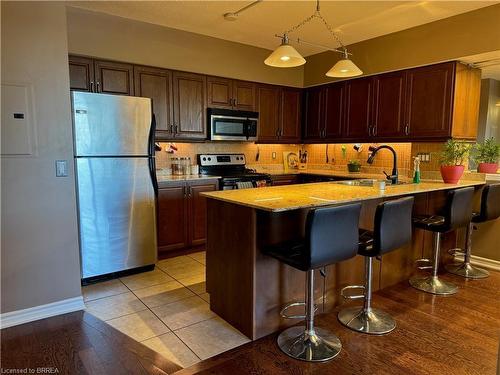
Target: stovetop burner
<point x="232" y="168"/>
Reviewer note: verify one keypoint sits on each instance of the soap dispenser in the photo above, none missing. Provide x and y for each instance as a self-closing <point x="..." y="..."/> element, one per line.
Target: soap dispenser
<point x="416" y="167"/>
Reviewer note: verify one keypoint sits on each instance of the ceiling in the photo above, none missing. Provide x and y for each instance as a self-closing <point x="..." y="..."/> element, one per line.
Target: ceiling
<point x="354" y="21"/>
<point x="488" y="62"/>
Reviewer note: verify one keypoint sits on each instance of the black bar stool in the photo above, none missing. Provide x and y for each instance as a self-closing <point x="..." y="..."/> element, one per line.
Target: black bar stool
<point x="331" y="237"/>
<point x="457" y="213"/>
<point x="392" y="229"/>
<point x="490" y="210"/>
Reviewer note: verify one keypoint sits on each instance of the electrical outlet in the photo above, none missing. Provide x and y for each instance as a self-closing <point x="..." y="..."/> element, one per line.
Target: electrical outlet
<point x="273" y="155"/>
<point x="424" y="157"/>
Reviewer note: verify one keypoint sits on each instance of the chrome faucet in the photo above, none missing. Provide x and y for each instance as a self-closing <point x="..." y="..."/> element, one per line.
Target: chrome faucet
<point x="393" y="177"/>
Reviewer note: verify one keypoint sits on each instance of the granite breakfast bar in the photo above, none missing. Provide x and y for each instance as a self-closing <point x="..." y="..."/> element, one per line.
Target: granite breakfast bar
<point x="248" y="289"/>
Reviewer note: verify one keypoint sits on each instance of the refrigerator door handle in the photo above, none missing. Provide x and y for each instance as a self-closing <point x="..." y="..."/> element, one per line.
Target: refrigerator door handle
<point x="151" y="154"/>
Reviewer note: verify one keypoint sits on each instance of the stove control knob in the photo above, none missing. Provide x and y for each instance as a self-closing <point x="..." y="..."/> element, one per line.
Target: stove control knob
<point x="209" y="159"/>
<point x="204" y="159"/>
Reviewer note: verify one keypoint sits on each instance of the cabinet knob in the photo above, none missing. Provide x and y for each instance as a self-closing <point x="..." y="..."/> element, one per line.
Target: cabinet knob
<point x="407" y="129"/>
<point x="91" y="86"/>
<point x="98" y="84"/>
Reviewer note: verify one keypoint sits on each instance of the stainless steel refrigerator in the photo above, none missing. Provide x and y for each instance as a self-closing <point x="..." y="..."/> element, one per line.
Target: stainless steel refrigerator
<point x="116" y="182"/>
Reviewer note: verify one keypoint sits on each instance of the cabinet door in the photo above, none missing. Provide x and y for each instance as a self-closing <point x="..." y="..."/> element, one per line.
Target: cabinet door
<point x="114" y="78"/>
<point x="172" y="218"/>
<point x="291" y="102"/>
<point x="389" y="105"/>
<point x="81" y="73"/>
<point x="466" y="102"/>
<point x="244" y="95"/>
<point x="429" y="101"/>
<point x="198" y="212"/>
<point x="269" y="102"/>
<point x="285" y="179"/>
<point x="357" y="108"/>
<point x="334" y="111"/>
<point x="314" y="120"/>
<point x="190" y="105"/>
<point x="156" y="84"/>
<point x="220" y="92"/>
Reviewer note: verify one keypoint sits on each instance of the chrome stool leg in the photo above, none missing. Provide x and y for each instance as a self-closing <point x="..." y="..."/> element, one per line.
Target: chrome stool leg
<point x="465" y="269"/>
<point x="308" y="343"/>
<point x="432" y="284"/>
<point x="367" y="319"/>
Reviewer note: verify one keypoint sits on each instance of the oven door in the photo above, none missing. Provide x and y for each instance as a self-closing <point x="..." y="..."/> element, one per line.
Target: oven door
<point x="228" y="128"/>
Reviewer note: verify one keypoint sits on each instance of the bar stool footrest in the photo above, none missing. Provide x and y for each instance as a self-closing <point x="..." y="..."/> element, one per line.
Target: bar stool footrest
<point x="456" y="251"/>
<point x="294" y="304"/>
<point x="424" y="264"/>
<point x="344" y="290"/>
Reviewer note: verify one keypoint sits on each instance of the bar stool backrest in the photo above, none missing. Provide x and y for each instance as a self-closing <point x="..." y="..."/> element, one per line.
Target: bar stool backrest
<point x="490" y="203"/>
<point x="458" y="208"/>
<point x="332" y="234"/>
<point x="392" y="226"/>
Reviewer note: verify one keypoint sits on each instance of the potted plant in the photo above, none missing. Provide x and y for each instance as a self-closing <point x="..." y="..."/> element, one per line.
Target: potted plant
<point x="452" y="160"/>
<point x="354" y="166"/>
<point x="487" y="154"/>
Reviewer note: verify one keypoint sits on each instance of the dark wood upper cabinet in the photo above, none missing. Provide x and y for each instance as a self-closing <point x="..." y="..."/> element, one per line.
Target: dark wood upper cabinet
<point x="198" y="211"/>
<point x="219" y="92"/>
<point x="156" y="84"/>
<point x="430" y="100"/>
<point x="269" y="107"/>
<point x="357" y="109"/>
<point x="189" y="105"/>
<point x="172" y="223"/>
<point x="334" y="111"/>
<point x="244" y="95"/>
<point x="313" y="118"/>
<point x="81" y="73"/>
<point x="230" y="94"/>
<point x="290" y="119"/>
<point x="114" y="78"/>
<point x="389" y="103"/>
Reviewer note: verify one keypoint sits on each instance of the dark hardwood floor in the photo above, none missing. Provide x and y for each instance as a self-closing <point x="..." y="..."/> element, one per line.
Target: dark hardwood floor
<point x="78" y="343"/>
<point x="435" y="335"/>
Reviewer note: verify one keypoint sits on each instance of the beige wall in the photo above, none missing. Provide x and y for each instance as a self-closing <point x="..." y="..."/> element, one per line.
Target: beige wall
<point x="110" y="37"/>
<point x="447" y="39"/>
<point x="40" y="261"/>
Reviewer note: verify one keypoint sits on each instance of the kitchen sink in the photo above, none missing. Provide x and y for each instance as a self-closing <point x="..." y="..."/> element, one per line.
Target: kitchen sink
<point x="365" y="182"/>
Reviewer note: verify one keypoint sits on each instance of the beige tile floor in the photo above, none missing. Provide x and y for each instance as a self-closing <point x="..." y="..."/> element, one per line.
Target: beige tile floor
<point x="166" y="309"/>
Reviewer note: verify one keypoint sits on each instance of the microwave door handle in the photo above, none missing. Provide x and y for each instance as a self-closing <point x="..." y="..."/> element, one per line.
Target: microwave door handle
<point x="246" y="129"/>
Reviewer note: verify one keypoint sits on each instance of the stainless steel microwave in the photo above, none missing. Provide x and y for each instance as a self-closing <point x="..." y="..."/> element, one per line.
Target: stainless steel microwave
<point x="229" y="125"/>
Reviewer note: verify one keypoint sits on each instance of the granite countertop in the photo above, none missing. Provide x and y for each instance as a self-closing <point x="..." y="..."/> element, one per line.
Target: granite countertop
<point x="327" y="173"/>
<point x="165" y="179"/>
<point x="291" y="197"/>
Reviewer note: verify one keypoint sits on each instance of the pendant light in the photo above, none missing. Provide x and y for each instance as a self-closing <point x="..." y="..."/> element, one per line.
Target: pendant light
<point x="344" y="68"/>
<point x="285" y="56"/>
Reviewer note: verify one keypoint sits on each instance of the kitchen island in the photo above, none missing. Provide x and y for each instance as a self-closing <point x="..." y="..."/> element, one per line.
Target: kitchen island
<point x="248" y="289"/>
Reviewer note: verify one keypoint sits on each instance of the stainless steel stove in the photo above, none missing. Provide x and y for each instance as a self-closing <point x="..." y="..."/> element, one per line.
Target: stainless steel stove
<point x="232" y="168"/>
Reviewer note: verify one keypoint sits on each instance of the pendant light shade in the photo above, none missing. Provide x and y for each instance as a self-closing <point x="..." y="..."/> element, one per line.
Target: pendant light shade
<point x="285" y="56"/>
<point x="344" y="68"/>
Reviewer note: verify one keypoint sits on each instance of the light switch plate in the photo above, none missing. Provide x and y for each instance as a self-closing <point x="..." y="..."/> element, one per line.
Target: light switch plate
<point x="274" y="155"/>
<point x="61" y="168"/>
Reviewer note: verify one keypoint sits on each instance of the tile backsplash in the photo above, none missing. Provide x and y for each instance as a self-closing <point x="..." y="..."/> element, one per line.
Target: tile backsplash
<point x="317" y="155"/>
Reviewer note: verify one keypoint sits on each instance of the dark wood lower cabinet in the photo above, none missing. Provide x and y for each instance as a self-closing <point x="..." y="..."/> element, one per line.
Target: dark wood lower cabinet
<point x="172" y="217"/>
<point x="181" y="215"/>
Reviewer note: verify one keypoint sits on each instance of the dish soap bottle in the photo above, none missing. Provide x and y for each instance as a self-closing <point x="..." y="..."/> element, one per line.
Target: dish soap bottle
<point x="416" y="167"/>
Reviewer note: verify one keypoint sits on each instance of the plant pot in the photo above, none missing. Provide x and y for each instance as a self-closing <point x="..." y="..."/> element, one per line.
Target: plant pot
<point x="354" y="167"/>
<point x="487" y="167"/>
<point x="452" y="173"/>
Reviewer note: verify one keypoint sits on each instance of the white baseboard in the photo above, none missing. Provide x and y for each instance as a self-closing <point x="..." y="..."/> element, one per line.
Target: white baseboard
<point x="31" y="314"/>
<point x="481" y="262"/>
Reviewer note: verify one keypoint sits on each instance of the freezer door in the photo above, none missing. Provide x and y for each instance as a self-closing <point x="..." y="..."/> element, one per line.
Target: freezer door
<point x="111" y="125"/>
<point x="116" y="214"/>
